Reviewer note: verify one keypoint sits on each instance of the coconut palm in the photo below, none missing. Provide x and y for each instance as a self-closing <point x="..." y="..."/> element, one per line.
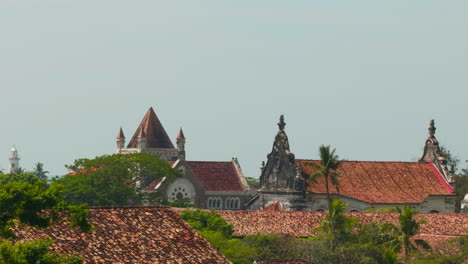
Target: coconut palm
<point x="326" y="169"/>
<point x="408" y="228"/>
<point x="40" y="172"/>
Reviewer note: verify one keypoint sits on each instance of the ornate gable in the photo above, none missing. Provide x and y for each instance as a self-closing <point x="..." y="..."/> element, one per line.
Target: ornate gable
<point x="432" y="153"/>
<point x="280" y="171"/>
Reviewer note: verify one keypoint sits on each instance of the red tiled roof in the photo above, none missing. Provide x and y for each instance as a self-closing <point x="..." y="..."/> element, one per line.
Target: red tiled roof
<point x="384" y="182"/>
<point x="156" y="136"/>
<point x="130" y="235"/>
<point x="300" y="223"/>
<point x="152" y="185"/>
<point x="82" y="171"/>
<point x="217" y="175"/>
<point x="283" y="261"/>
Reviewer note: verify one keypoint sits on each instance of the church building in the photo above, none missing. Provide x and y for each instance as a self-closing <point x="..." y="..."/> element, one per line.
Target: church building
<point x="208" y="184"/>
<point x="425" y="185"/>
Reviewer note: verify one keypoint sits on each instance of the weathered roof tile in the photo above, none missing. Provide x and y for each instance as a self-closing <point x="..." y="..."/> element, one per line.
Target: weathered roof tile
<point x="130" y="235"/>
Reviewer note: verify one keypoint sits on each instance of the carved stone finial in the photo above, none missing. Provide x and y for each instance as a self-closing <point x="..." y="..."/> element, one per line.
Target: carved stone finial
<point x="281" y="123"/>
<point x="432" y="129"/>
<point x="263" y="166"/>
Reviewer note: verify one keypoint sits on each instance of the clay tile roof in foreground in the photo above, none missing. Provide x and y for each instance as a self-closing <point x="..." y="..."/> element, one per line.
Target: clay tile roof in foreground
<point x="283" y="261"/>
<point x="300" y="223"/>
<point x="217" y="175"/>
<point x="151" y="127"/>
<point x="131" y="235"/>
<point x="384" y="182"/>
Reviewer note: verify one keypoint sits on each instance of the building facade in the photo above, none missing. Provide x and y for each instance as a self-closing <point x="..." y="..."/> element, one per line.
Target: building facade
<point x="425" y="185"/>
<point x="208" y="184"/>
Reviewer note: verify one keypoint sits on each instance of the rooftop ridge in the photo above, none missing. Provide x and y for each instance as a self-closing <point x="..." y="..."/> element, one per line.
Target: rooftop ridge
<point x="375" y="161"/>
<point x="204" y="161"/>
<point x="128" y="206"/>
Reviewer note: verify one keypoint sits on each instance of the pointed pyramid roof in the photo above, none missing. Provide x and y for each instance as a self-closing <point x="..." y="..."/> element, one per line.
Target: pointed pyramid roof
<point x="120" y="134"/>
<point x="181" y="134"/>
<point x="156" y="136"/>
<point x="141" y="133"/>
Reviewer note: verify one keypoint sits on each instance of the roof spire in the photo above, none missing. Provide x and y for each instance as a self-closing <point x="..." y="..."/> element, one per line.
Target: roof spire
<point x="120" y="135"/>
<point x="181" y="134"/>
<point x="432" y="129"/>
<point x="281" y="123"/>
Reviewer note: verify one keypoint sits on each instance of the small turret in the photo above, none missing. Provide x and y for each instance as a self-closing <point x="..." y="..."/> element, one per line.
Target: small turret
<point x="120" y="140"/>
<point x="14" y="160"/>
<point x="141" y="140"/>
<point x="180" y="141"/>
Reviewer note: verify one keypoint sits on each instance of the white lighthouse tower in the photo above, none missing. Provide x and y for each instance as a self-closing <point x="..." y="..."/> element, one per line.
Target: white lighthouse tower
<point x="14" y="160"/>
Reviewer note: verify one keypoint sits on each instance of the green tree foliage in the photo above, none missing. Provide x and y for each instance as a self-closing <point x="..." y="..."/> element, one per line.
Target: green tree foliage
<point x="326" y="169"/>
<point x="219" y="233"/>
<point x="39" y="171"/>
<point x="114" y="179"/>
<point x="408" y="227"/>
<point x="272" y="246"/>
<point x="383" y="210"/>
<point x="36" y="251"/>
<point x="460" y="177"/>
<point x="26" y="200"/>
<point x="27" y="177"/>
<point x="181" y="203"/>
<point x="207" y="221"/>
<point x="253" y="182"/>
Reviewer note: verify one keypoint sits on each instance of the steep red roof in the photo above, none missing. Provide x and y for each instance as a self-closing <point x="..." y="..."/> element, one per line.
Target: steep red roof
<point x="131" y="235"/>
<point x="217" y="175"/>
<point x="156" y="136"/>
<point x="384" y="182"/>
<point x="301" y="223"/>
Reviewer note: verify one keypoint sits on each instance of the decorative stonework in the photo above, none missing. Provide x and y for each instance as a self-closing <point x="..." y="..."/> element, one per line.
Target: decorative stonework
<point x="280" y="171"/>
<point x="432" y="153"/>
<point x="180" y="189"/>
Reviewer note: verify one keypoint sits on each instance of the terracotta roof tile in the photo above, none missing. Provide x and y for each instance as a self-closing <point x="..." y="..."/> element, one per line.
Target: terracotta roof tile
<point x="300" y="223"/>
<point x="283" y="261"/>
<point x="217" y="175"/>
<point x="156" y="136"/>
<point x="130" y="235"/>
<point x="384" y="182"/>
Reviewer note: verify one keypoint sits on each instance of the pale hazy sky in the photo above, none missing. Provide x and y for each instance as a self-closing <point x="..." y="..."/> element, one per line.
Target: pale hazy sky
<point x="363" y="76"/>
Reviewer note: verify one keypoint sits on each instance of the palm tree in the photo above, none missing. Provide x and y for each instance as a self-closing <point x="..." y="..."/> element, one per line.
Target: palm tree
<point x="326" y="168"/>
<point x="409" y="227"/>
<point x="40" y="172"/>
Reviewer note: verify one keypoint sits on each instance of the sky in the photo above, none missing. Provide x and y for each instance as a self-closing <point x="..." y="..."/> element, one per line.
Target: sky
<point x="365" y="77"/>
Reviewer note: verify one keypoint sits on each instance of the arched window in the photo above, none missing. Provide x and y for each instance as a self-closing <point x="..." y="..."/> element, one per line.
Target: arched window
<point x="434" y="211"/>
